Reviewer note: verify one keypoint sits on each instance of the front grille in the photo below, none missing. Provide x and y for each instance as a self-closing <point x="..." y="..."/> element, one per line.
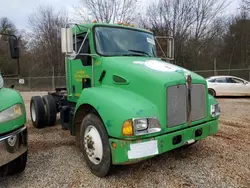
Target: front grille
<point x="198" y="102"/>
<point x="177" y="104"/>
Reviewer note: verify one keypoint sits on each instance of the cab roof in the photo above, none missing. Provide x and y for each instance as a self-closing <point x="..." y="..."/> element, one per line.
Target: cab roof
<point x="91" y="25"/>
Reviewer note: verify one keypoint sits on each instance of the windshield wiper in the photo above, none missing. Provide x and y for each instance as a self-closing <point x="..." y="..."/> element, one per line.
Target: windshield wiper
<point x="141" y="52"/>
<point x="133" y="55"/>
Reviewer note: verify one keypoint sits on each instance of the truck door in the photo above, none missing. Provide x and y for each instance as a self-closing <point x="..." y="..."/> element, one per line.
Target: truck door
<point x="80" y="68"/>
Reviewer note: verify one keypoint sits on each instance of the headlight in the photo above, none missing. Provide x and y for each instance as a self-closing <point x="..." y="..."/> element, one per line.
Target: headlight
<point x="141" y="126"/>
<point x="11" y="113"/>
<point x="215" y="110"/>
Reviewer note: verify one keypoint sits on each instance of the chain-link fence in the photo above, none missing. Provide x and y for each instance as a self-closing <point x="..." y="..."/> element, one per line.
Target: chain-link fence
<point x="241" y="73"/>
<point x="48" y="83"/>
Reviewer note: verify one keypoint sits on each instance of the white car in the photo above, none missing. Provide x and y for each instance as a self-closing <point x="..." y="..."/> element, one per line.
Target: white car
<point x="228" y="86"/>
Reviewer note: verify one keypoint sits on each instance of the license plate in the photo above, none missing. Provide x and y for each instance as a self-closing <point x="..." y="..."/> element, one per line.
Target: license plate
<point x="144" y="149"/>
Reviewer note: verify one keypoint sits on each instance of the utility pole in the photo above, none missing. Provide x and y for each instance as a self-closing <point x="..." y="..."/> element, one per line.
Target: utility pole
<point x="215" y="73"/>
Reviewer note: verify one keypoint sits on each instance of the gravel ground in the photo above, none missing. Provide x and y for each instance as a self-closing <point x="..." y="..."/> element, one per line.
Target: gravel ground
<point x="222" y="160"/>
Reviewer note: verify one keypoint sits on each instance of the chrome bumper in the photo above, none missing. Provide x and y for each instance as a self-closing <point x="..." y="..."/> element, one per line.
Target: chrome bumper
<point x="12" y="147"/>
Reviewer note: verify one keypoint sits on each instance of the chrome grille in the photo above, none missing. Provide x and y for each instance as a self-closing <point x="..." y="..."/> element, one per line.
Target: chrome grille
<point x="198" y="102"/>
<point x="177" y="104"/>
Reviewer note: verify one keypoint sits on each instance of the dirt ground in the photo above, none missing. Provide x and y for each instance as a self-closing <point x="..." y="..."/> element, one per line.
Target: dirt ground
<point x="222" y="160"/>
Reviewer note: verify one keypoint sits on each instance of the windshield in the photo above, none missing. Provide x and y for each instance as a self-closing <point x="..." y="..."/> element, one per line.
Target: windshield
<point x="112" y="41"/>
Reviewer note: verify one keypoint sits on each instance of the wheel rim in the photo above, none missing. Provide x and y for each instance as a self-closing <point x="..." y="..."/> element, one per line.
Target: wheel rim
<point x="93" y="144"/>
<point x="33" y="112"/>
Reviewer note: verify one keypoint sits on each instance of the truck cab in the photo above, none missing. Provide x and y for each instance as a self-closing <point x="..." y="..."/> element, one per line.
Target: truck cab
<point x="13" y="131"/>
<point x="122" y="102"/>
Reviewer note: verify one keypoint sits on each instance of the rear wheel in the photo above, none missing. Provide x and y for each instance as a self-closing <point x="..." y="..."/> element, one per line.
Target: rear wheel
<point x="51" y="110"/>
<point x="94" y="145"/>
<point x="212" y="92"/>
<point x="37" y="112"/>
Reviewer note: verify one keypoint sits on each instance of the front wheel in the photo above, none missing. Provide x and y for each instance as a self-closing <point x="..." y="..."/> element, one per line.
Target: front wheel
<point x="94" y="145"/>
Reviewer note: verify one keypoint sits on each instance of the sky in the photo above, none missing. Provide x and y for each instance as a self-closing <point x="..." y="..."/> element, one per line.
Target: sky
<point x="18" y="11"/>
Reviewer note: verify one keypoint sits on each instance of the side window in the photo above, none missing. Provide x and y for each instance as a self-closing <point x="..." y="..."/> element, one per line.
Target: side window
<point x="230" y="80"/>
<point x="235" y="80"/>
<point x="211" y="81"/>
<point x="221" y="80"/>
<point x="86" y="59"/>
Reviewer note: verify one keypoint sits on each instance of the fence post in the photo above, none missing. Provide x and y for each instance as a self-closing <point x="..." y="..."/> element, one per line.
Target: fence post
<point x="215" y="73"/>
<point x="29" y="83"/>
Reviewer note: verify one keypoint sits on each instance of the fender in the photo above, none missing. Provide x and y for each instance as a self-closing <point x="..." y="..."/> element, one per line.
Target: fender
<point x="116" y="105"/>
<point x="8" y="98"/>
<point x="212" y="100"/>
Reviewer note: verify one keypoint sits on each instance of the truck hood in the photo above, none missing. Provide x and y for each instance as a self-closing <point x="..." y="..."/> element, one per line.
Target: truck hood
<point x="149" y="70"/>
<point x="147" y="81"/>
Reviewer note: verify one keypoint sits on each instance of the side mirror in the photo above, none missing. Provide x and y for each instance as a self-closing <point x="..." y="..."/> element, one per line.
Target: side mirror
<point x="170" y="48"/>
<point x="12" y="44"/>
<point x="14" y="49"/>
<point x="67" y="40"/>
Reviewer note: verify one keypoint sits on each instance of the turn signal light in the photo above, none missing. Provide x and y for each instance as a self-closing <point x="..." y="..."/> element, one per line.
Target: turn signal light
<point x="127" y="128"/>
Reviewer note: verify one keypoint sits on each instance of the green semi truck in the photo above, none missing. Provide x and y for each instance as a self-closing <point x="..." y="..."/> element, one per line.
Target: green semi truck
<point x="13" y="131"/>
<point x="122" y="103"/>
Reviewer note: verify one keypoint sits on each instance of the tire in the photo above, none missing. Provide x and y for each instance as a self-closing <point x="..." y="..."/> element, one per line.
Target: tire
<point x="93" y="126"/>
<point x="37" y="112"/>
<point x="50" y="112"/>
<point x="212" y="92"/>
<point x="17" y="166"/>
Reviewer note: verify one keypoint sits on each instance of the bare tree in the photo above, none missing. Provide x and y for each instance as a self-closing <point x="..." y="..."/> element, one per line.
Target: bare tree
<point x="6" y="26"/>
<point x="246" y="4"/>
<point x="188" y="20"/>
<point x="108" y="10"/>
<point x="45" y="40"/>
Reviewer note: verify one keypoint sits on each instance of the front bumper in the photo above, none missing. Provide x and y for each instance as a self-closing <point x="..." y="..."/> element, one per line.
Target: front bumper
<point x="133" y="151"/>
<point x="9" y="153"/>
